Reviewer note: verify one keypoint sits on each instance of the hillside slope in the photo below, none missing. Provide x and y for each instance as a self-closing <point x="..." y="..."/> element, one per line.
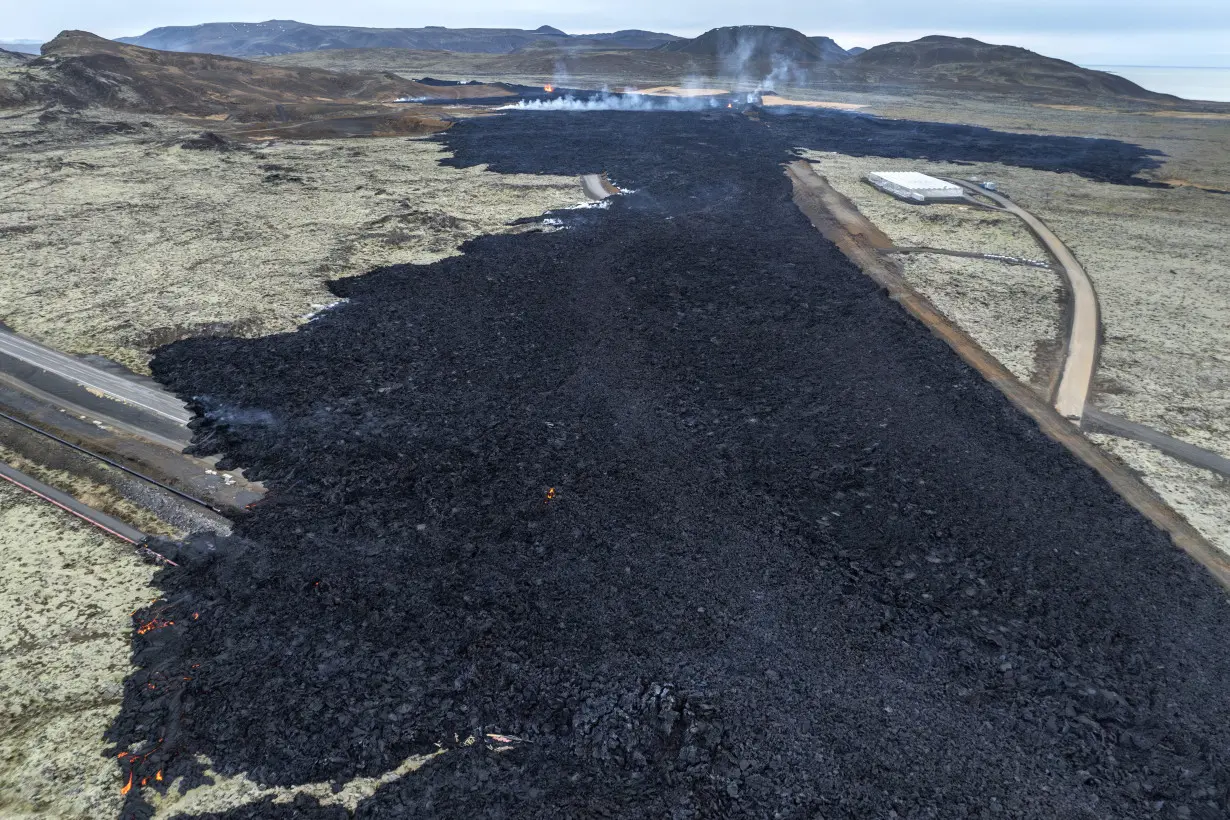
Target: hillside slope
<point x="80" y="69"/>
<point x="962" y="61"/>
<point x="829" y="49"/>
<point x="274" y="37"/>
<point x="751" y="45"/>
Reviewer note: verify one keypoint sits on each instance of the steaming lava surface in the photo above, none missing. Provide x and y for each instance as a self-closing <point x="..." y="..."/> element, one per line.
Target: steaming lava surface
<point x="677" y="496"/>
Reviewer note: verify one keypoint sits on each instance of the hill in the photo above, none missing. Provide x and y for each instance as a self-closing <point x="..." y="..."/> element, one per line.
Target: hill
<point x="80" y="69"/>
<point x="275" y="37"/>
<point x="751" y="45"/>
<point x="577" y="66"/>
<point x="831" y="52"/>
<point x="631" y="38"/>
<point x="964" y="62"/>
<point x="776" y="56"/>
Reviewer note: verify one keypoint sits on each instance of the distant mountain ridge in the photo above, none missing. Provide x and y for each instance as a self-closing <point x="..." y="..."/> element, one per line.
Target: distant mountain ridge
<point x="832" y="52"/>
<point x="274" y="37"/>
<point x="21" y="46"/>
<point x="759" y="44"/>
<point x="79" y="69"/>
<point x="12" y="58"/>
<point x="942" y="61"/>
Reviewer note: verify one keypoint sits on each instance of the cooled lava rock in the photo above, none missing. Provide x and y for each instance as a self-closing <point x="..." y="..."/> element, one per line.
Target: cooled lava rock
<point x="208" y="141"/>
<point x="682" y="502"/>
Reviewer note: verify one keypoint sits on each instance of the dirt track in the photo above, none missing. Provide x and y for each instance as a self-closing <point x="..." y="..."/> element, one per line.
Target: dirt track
<point x="1081" y="354"/>
<point x="679" y="496"/>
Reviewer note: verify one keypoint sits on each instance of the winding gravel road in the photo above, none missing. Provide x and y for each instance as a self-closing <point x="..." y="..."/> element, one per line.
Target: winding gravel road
<point x="1082" y="347"/>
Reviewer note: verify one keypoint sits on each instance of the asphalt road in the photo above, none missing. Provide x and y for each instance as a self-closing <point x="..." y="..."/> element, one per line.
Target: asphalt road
<point x="96" y="380"/>
<point x="124" y="418"/>
<point x="1082" y="349"/>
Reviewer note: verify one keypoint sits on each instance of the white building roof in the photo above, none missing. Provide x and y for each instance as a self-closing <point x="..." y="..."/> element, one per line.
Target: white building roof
<point x="914" y="181"/>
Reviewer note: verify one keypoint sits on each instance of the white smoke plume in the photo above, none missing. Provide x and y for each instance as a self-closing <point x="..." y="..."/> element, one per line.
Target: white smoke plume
<point x="607" y="101"/>
<point x="739" y="70"/>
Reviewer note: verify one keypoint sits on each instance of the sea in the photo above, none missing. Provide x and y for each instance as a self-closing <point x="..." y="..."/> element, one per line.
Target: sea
<point x="1188" y="83"/>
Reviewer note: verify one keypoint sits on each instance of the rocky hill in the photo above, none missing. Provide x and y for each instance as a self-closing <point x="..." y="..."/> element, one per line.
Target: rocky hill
<point x="80" y="69"/>
<point x="630" y="38"/>
<point x="832" y="52"/>
<point x="275" y="37"/>
<point x="962" y="62"/>
<point x="752" y="45"/>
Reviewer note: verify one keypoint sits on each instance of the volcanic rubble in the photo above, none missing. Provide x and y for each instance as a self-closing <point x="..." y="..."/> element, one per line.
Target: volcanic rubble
<point x="680" y="499"/>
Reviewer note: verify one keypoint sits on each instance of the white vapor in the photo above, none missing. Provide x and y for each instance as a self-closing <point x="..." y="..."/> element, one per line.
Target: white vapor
<point x="606" y="101"/>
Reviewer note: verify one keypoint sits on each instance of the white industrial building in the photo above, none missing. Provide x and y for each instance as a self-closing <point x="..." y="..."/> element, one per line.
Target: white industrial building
<point x="915" y="187"/>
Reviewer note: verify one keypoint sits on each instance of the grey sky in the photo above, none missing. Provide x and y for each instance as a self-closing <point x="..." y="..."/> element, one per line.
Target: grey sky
<point x="1134" y="32"/>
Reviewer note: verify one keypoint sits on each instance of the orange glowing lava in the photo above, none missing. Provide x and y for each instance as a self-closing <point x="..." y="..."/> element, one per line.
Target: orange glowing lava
<point x="157" y="623"/>
<point x="550" y="495"/>
<point x="548" y="88"/>
<point x="127" y="786"/>
<point x="158" y="775"/>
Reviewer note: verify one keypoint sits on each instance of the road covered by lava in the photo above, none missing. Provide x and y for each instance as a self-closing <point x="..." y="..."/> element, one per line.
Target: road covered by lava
<point x="676" y="496"/>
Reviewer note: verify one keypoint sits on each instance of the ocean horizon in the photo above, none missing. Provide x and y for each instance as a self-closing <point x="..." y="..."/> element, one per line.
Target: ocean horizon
<point x="1191" y="83"/>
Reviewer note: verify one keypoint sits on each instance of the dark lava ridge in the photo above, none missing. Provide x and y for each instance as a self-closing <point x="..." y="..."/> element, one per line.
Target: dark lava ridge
<point x="679" y="497"/>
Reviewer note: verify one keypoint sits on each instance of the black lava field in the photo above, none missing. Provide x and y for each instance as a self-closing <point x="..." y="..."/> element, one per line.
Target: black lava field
<point x="679" y="499"/>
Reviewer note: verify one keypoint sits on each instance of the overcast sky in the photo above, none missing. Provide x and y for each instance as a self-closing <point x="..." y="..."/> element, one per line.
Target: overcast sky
<point x="1124" y="32"/>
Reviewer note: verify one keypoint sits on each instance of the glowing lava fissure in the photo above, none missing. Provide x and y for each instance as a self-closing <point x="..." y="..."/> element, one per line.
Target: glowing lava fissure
<point x="150" y="626"/>
<point x="135" y="761"/>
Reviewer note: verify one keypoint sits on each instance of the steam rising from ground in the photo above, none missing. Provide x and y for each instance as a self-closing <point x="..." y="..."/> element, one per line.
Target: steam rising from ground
<point x="609" y="101"/>
<point x="742" y="67"/>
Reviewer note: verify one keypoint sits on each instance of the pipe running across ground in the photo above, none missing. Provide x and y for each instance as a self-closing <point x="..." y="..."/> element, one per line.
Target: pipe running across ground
<point x="112" y="526"/>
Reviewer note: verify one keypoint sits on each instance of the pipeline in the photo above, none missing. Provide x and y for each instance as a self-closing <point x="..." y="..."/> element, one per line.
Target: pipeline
<point x="111" y="463"/>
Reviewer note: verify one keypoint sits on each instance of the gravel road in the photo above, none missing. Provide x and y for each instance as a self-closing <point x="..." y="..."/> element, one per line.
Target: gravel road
<point x="678" y="496"/>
